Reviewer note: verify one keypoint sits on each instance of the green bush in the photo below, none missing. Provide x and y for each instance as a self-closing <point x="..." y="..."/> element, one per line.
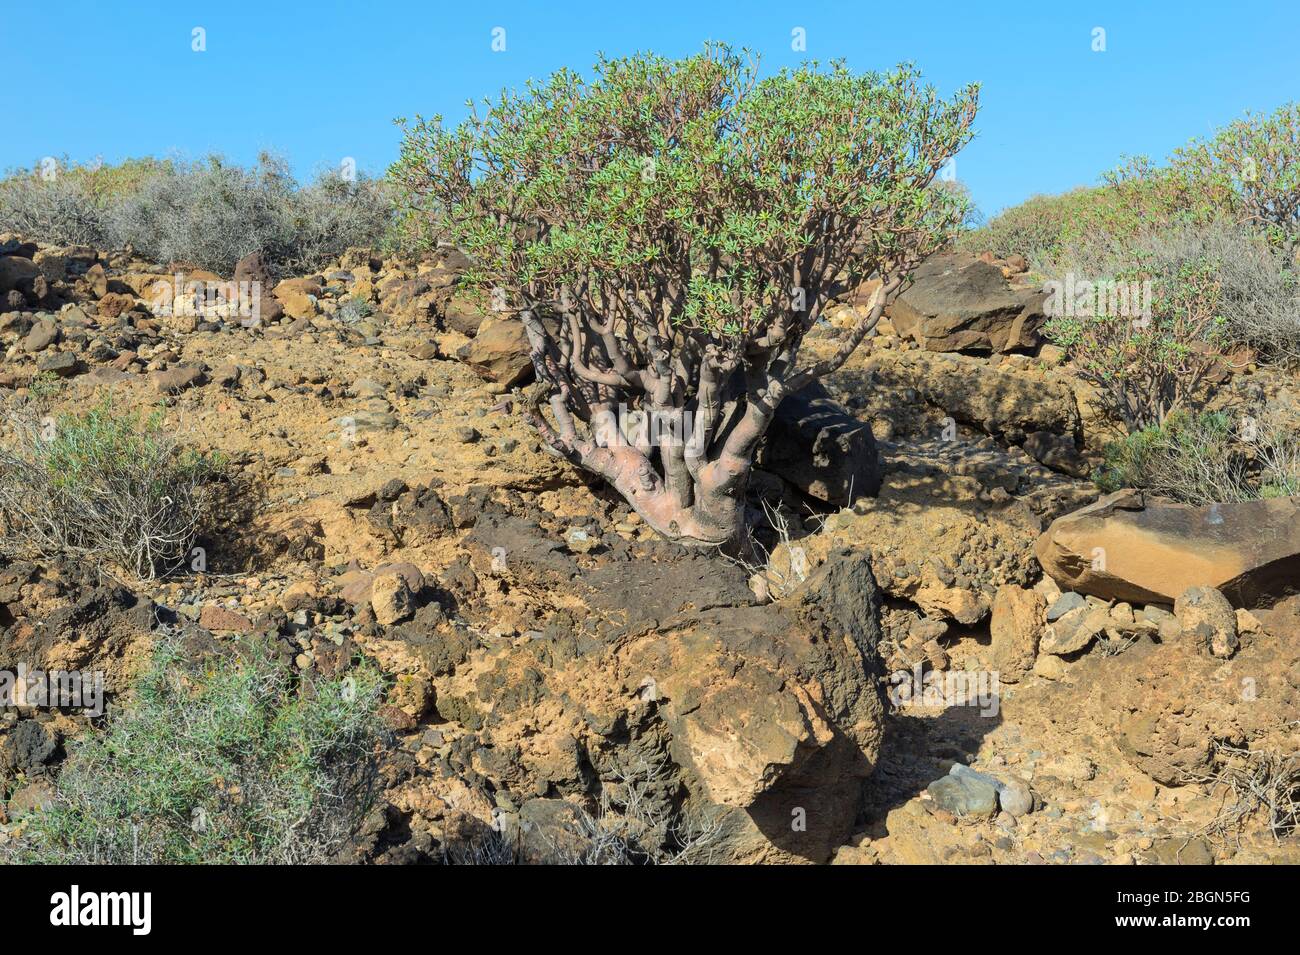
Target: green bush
<point x="1251" y="170"/>
<point x="1148" y="352"/>
<point x="1205" y="458"/>
<point x="1248" y="174"/>
<point x="226" y="761"/>
<point x="685" y="222"/>
<point x="1032" y="229"/>
<point x="1193" y="458"/>
<point x="105" y="486"/>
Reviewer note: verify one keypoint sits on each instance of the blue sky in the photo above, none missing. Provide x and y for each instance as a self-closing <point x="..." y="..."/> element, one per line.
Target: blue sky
<point x="321" y="81"/>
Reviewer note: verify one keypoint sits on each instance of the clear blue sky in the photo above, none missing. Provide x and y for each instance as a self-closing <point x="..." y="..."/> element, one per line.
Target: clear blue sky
<point x="322" y="81"/>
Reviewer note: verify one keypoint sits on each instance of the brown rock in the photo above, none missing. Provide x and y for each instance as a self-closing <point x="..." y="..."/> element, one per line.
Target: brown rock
<point x="298" y="297"/>
<point x="177" y="378"/>
<point x="391" y="598"/>
<point x="1126" y="547"/>
<point x="114" y="304"/>
<point x="43" y="334"/>
<point x="1207" y="617"/>
<point x="958" y="303"/>
<point x="499" y="352"/>
<point x="98" y="280"/>
<point x="1016" y="627"/>
<point x="464" y="314"/>
<point x="15" y="269"/>
<point x="216" y="617"/>
<point x="1074" y="631"/>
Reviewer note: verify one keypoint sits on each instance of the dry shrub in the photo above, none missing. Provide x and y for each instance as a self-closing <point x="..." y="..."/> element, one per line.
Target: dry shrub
<point x="111" y="488"/>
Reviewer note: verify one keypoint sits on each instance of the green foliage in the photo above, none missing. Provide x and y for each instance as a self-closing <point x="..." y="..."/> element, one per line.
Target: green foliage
<point x="1193" y="458"/>
<point x="1251" y="169"/>
<point x="1151" y="362"/>
<point x="1034" y="228"/>
<point x="1247" y="173"/>
<point x="226" y="761"/>
<point x="657" y="169"/>
<point x="1203" y="458"/>
<point x="115" y="488"/>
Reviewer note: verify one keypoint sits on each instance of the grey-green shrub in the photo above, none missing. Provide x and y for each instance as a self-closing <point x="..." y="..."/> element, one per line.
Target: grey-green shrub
<point x="225" y="760"/>
<point x="62" y="210"/>
<point x="208" y="214"/>
<point x="212" y="214"/>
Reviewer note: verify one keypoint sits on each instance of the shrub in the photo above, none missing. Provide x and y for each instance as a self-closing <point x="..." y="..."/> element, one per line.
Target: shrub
<point x="208" y="214"/>
<point x="1150" y="341"/>
<point x="227" y="761"/>
<point x="62" y="210"/>
<point x="1251" y="168"/>
<point x="670" y="230"/>
<point x="1248" y="173"/>
<point x="1033" y="229"/>
<point x="1205" y="458"/>
<point x="65" y="203"/>
<point x="113" y="488"/>
<point x="1193" y="458"/>
<point x="212" y="214"/>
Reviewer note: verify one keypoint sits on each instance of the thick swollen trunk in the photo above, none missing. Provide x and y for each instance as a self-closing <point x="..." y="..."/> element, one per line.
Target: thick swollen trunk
<point x="709" y="512"/>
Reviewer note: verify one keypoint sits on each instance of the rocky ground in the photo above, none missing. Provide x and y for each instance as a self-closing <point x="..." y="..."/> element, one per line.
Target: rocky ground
<point x="547" y="652"/>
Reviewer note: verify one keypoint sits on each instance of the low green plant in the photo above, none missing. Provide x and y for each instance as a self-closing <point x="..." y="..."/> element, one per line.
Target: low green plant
<point x="1193" y="458"/>
<point x="227" y="760"/>
<point x="1205" y="458"/>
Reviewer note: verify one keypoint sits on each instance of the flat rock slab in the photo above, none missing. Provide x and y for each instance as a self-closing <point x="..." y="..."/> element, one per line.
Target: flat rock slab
<point x="1130" y="547"/>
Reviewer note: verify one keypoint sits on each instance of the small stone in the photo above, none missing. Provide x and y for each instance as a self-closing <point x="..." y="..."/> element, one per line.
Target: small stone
<point x="1074" y="631"/>
<point x="1015" y="798"/>
<point x="964" y="795"/>
<point x="43" y="334"/>
<point x="214" y="617"/>
<point x="1063" y="605"/>
<point x="64" y="364"/>
<point x="1247" y="622"/>
<point x="177" y="378"/>
<point x="467" y="435"/>
<point x="1206" y="616"/>
<point x="1049" y="667"/>
<point x="580" y="542"/>
<point x="391" y="598"/>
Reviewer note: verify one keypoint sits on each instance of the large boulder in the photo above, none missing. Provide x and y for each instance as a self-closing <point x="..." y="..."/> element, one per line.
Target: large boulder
<point x="14" y="270"/>
<point x="816" y="445"/>
<point x="959" y="303"/>
<point x="1130" y="547"/>
<point x="762" y="720"/>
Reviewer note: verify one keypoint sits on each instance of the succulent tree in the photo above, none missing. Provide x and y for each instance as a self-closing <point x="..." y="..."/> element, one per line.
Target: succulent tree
<point x="668" y="232"/>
